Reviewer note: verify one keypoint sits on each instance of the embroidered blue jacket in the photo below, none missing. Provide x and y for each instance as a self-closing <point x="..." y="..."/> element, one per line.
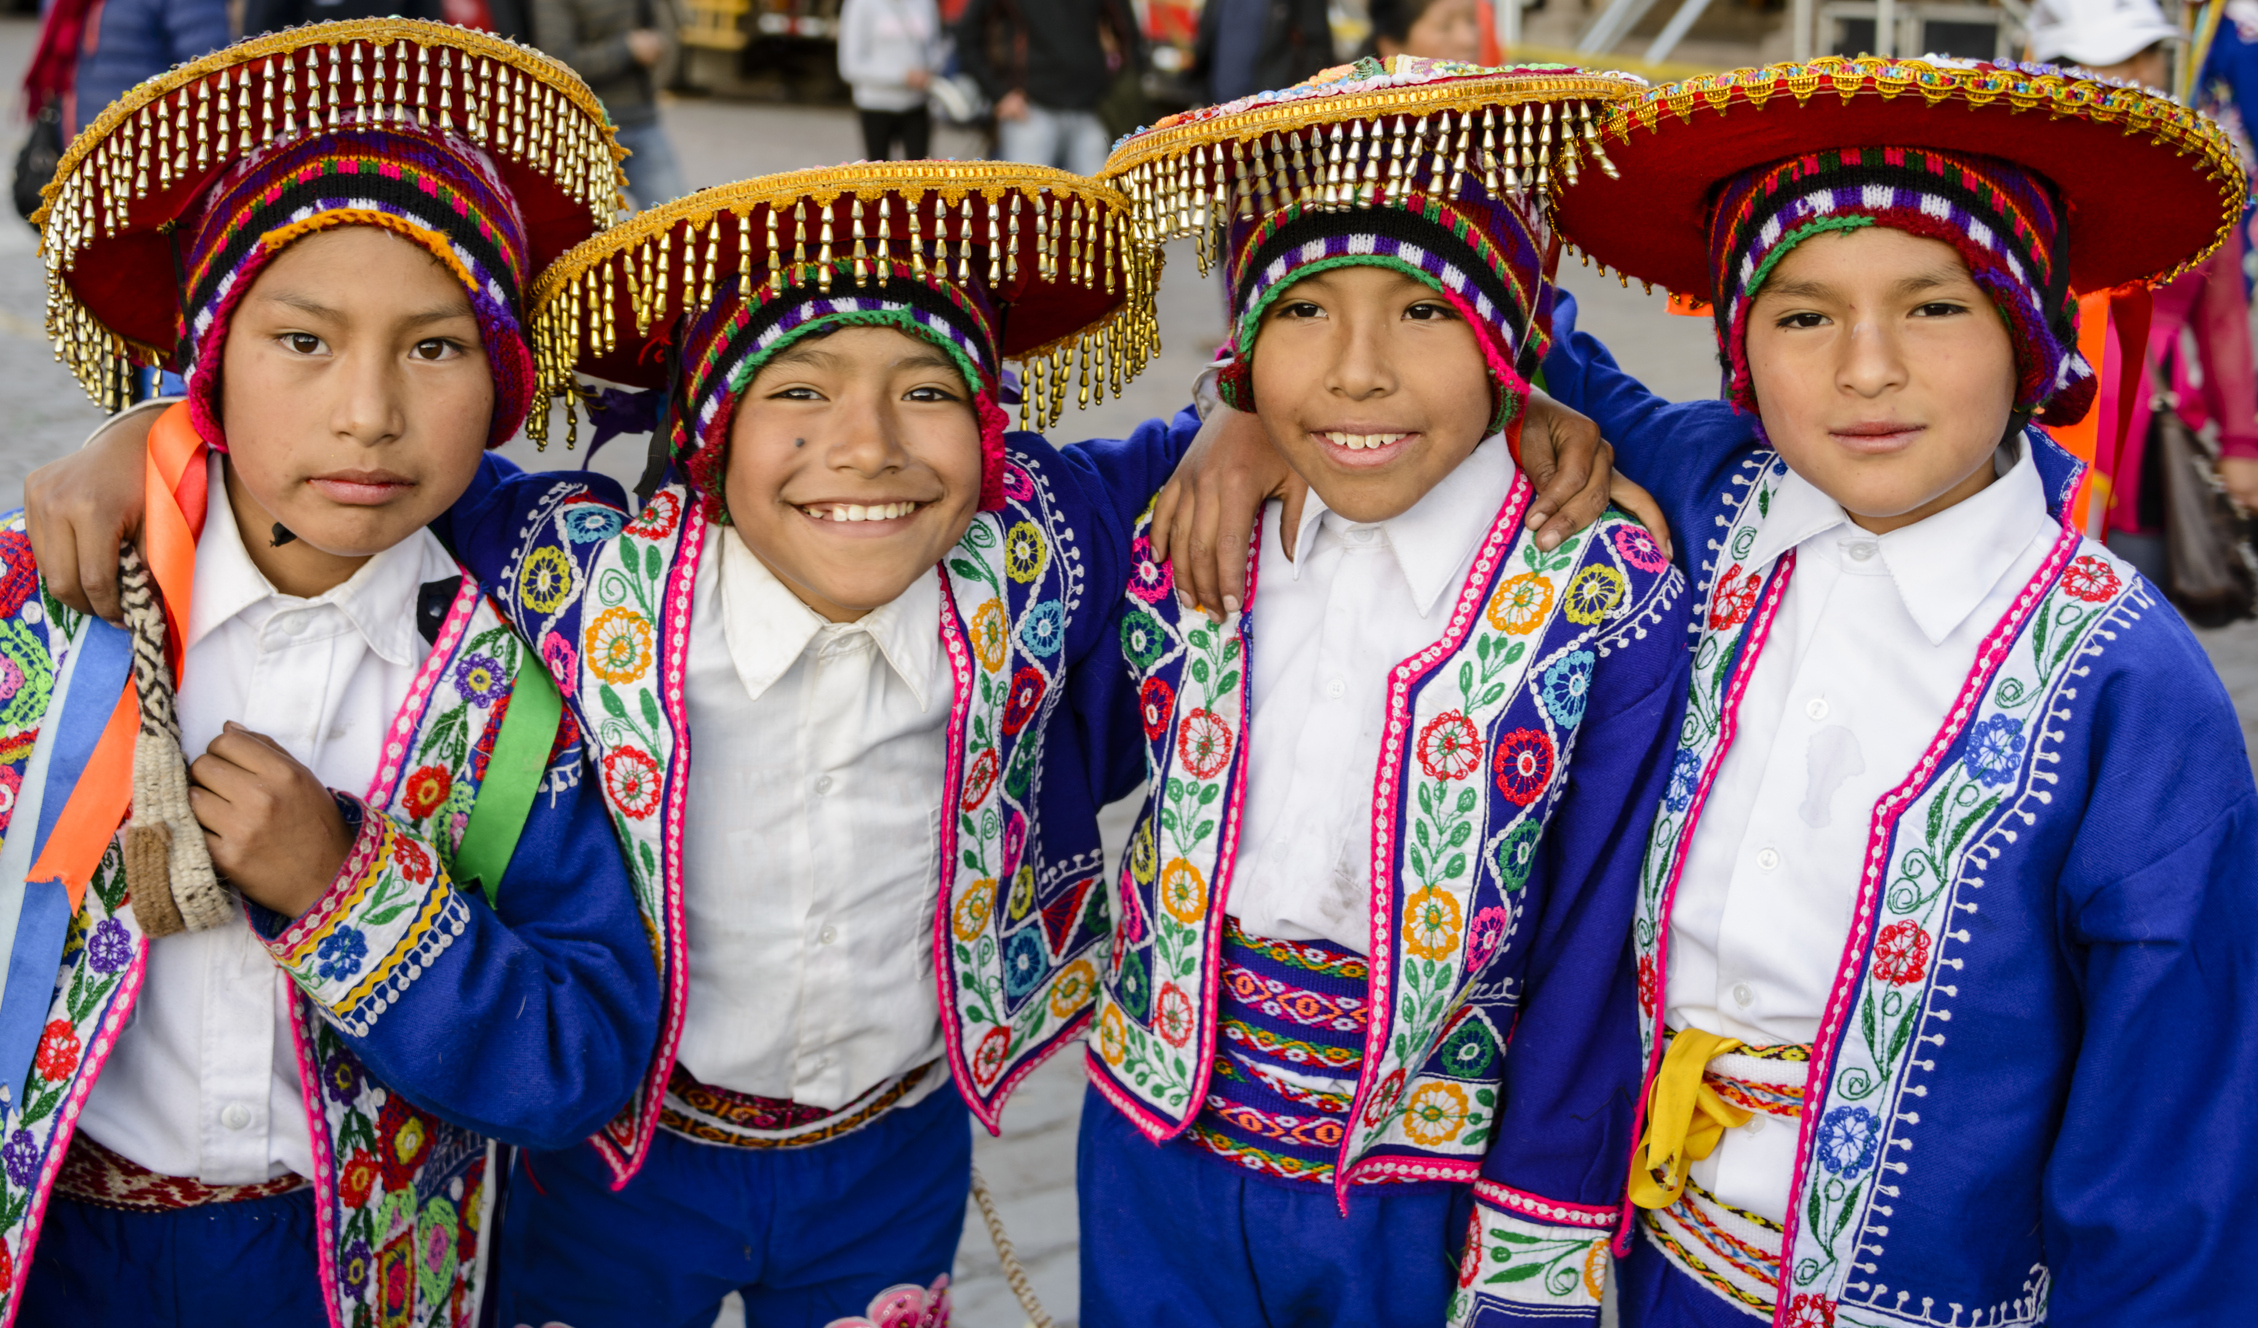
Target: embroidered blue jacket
<point x="2031" y="1093"/>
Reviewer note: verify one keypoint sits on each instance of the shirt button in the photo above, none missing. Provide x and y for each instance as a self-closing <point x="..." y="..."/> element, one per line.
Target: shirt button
<point x="1361" y="534"/>
<point x="1816" y="707"/>
<point x="823" y="783"/>
<point x="1334" y="688"/>
<point x="1861" y="551"/>
<point x="1768" y="858"/>
<point x="828" y="935"/>
<point x="1756" y="1125"/>
<point x="235" y="1115"/>
<point x="1743" y="996"/>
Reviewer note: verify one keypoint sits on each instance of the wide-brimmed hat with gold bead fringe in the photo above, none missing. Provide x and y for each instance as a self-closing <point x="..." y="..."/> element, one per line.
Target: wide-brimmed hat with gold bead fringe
<point x="1440" y="170"/>
<point x="990" y="261"/>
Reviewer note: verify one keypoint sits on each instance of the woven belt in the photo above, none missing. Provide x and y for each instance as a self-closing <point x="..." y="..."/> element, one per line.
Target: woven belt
<point x="93" y="1174"/>
<point x="741" y="1120"/>
<point x="1733" y="1252"/>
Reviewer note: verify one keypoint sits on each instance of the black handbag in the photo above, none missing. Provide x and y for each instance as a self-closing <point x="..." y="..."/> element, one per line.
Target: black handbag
<point x="2212" y="571"/>
<point x="36" y="161"/>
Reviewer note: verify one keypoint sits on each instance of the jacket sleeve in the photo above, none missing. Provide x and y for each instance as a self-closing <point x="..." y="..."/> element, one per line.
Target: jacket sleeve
<point x="481" y="529"/>
<point x="556" y="30"/>
<point x="529" y="1021"/>
<point x="1551" y="1189"/>
<point x="2145" y="1193"/>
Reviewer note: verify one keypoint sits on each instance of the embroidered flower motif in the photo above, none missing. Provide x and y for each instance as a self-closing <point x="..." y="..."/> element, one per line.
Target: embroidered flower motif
<point x="1384" y="1098"/>
<point x="1515" y="853"/>
<point x="1172" y="1015"/>
<point x="1027" y="687"/>
<point x="1470" y="1261"/>
<point x="341" y="1078"/>
<point x="563" y="661"/>
<point x="340" y="953"/>
<point x="1521" y="603"/>
<point x="435" y="1249"/>
<point x="1523" y="765"/>
<point x="108" y="949"/>
<point x="619" y="645"/>
<point x="1019" y="486"/>
<point x="1043" y="630"/>
<point x="658" y="517"/>
<point x="1469" y="1050"/>
<point x="1685" y="777"/>
<point x="991" y="634"/>
<point x="1203" y="742"/>
<point x="631" y="781"/>
<point x="980" y="779"/>
<point x="2087" y="578"/>
<point x="1484" y="935"/>
<point x="1143" y="640"/>
<point x="1431" y="924"/>
<point x="1141" y="856"/>
<point x="58" y="1051"/>
<point x="1022" y="894"/>
<point x="544" y="580"/>
<point x="1148" y="580"/>
<point x="591" y="522"/>
<point x="1183" y="891"/>
<point x="20" y="1156"/>
<point x="396" y="1277"/>
<point x="1647" y="984"/>
<point x="1847" y="1139"/>
<point x="1995" y="749"/>
<point x="1025" y="554"/>
<point x="11" y="786"/>
<point x="1639" y="549"/>
<point x="1594" y="595"/>
<point x="1901" y="953"/>
<point x="1811" y="1311"/>
<point x="1436" y="1114"/>
<point x="11" y="679"/>
<point x="1735" y="596"/>
<point x="403" y="1140"/>
<point x="1113" y="1035"/>
<point x="1073" y="989"/>
<point x="427" y="789"/>
<point x="1449" y="746"/>
<point x="19" y="574"/>
<point x="903" y="1306"/>
<point x="1015" y="839"/>
<point x="1566" y="687"/>
<point x="988" y="1057"/>
<point x="413" y="862"/>
<point x="1157" y="705"/>
<point x="30" y="663"/>
<point x="974" y="907"/>
<point x="1595" y="1270"/>
<point x="356" y="1178"/>
<point x="1025" y="962"/>
<point x="356" y="1266"/>
<point x="1133" y="988"/>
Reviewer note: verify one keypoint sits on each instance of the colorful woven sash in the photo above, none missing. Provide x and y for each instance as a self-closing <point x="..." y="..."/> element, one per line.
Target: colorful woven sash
<point x="1291" y="1017"/>
<point x="720" y="1116"/>
<point x="93" y="1174"/>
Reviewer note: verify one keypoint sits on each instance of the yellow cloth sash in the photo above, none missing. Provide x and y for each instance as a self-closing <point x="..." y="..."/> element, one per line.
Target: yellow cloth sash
<point x="1685" y="1118"/>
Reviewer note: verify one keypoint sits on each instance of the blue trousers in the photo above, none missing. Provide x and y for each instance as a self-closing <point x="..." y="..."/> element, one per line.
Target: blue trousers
<point x="1174" y="1237"/>
<point x="805" y="1235"/>
<point x="218" y="1266"/>
<point x="1651" y="1292"/>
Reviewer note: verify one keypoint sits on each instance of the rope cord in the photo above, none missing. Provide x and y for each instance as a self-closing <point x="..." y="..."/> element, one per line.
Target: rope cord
<point x="1014" y="1271"/>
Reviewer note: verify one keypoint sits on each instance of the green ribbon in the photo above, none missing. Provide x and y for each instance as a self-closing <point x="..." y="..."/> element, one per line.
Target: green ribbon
<point x="513" y="779"/>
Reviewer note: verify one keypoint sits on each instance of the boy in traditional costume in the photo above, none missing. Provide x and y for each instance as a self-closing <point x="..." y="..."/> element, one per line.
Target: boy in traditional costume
<point x="1946" y="932"/>
<point x="285" y="1112"/>
<point x="1368" y="972"/>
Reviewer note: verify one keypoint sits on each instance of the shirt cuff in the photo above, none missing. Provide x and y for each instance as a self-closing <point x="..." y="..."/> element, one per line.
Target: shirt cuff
<point x="1529" y="1259"/>
<point x="388" y="914"/>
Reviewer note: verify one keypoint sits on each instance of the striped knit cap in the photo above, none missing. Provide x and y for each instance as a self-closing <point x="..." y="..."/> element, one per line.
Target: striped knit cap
<point x="437" y="191"/>
<point x="725" y="345"/>
<point x="2004" y="221"/>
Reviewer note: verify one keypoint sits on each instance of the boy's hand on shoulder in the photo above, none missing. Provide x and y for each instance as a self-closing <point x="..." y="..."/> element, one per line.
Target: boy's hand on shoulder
<point x="1574" y="471"/>
<point x="274" y="830"/>
<point x="1203" y="518"/>
<point x="78" y="509"/>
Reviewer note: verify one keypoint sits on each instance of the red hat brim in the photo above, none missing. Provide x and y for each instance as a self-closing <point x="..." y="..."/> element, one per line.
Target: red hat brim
<point x="2150" y="188"/>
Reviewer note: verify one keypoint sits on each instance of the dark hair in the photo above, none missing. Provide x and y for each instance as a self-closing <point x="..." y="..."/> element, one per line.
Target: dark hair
<point x="1394" y="19"/>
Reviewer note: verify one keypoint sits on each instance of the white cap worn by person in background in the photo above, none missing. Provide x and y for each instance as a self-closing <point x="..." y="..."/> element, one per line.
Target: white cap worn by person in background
<point x="2096" y="33"/>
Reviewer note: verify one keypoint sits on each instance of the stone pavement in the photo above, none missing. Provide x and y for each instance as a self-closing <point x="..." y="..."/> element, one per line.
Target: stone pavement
<point x="1031" y="1167"/>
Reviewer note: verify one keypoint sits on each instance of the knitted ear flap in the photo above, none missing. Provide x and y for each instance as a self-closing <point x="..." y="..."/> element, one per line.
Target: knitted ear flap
<point x="168" y="869"/>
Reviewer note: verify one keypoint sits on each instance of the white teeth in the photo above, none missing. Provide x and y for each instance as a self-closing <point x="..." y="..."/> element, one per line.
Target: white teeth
<point x="860" y="511"/>
<point x="1362" y="442"/>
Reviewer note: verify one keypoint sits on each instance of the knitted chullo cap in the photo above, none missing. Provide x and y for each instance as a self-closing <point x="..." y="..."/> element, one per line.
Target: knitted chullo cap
<point x="1721" y="175"/>
<point x="988" y="261"/>
<point x="2003" y="220"/>
<point x="1434" y="169"/>
<point x="490" y="156"/>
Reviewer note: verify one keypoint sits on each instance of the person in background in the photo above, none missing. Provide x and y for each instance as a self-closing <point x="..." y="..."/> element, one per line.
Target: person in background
<point x="1435" y="29"/>
<point x="261" y="16"/>
<point x="617" y="46"/>
<point x="126" y="41"/>
<point x="1047" y="66"/>
<point x="888" y="50"/>
<point x="1248" y="45"/>
<point x="2125" y="39"/>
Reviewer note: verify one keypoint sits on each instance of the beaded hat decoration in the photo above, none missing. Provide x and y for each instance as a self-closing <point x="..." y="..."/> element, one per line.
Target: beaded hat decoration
<point x="1435" y="169"/>
<point x="492" y="156"/>
<point x="2111" y="185"/>
<point x="988" y="260"/>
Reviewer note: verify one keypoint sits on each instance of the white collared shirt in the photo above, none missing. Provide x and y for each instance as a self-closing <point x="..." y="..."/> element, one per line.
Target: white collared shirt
<point x="809" y="875"/>
<point x="204" y="1081"/>
<point x="1874" y="638"/>
<point x="1355" y="601"/>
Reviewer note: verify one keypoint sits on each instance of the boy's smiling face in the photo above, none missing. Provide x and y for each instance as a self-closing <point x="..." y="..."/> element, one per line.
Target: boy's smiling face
<point x="1371" y="386"/>
<point x="356" y="399"/>
<point x="1884" y="373"/>
<point x="854" y="464"/>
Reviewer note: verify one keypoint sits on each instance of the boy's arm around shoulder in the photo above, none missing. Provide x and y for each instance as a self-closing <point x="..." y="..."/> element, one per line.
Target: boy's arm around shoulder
<point x="486" y="528"/>
<point x="1110" y="483"/>
<point x="1552" y="1185"/>
<point x="530" y="1020"/>
<point x="2147" y="1190"/>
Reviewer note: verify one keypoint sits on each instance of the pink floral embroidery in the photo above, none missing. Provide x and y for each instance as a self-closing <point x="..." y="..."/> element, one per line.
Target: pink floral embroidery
<point x="904" y="1306"/>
